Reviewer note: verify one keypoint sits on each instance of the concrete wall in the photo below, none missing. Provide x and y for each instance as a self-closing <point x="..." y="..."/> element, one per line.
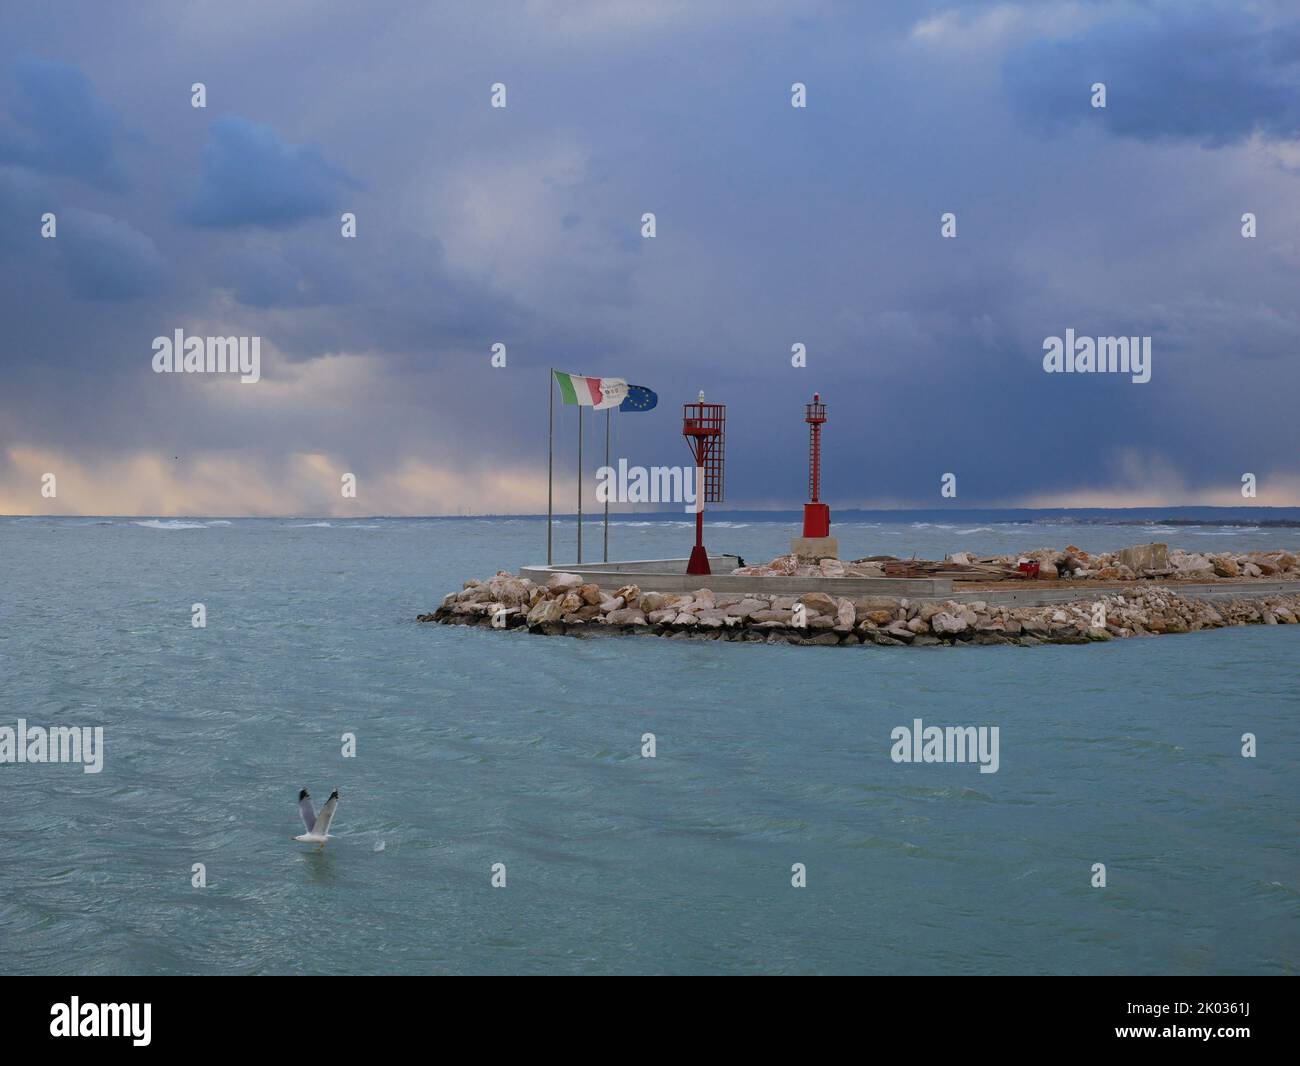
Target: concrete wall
<point x="723" y="564"/>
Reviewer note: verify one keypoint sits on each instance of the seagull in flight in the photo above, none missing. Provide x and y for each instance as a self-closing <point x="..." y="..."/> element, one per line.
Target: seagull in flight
<point x="318" y="825"/>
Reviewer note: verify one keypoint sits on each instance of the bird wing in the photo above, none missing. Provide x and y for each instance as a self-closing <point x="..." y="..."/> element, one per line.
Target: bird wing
<point x="326" y="815"/>
<point x="306" y="810"/>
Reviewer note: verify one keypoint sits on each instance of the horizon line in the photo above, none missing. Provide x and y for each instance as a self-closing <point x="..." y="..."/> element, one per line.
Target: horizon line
<point x="598" y="516"/>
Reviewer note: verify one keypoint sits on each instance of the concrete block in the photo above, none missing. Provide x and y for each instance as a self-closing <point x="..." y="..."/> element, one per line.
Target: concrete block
<point x="815" y="548"/>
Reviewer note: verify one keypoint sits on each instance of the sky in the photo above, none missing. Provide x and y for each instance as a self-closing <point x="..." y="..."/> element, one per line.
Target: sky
<point x="522" y="225"/>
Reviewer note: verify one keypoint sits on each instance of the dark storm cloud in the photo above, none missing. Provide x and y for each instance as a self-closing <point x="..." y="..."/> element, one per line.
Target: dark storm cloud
<point x="106" y="259"/>
<point x="22" y="202"/>
<point x="100" y="257"/>
<point x="264" y="277"/>
<point x="60" y="127"/>
<point x="775" y="226"/>
<point x="251" y="177"/>
<point x="1210" y="74"/>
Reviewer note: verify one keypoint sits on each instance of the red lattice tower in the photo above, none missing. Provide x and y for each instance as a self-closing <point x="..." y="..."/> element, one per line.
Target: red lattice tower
<point x="816" y="515"/>
<point x="703" y="426"/>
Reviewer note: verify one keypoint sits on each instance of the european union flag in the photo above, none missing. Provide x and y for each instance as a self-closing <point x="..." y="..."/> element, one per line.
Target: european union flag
<point x="639" y="398"/>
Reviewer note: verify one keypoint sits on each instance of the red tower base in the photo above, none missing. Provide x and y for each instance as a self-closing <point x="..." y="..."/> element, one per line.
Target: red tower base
<point x="699" y="563"/>
<point x="816" y="520"/>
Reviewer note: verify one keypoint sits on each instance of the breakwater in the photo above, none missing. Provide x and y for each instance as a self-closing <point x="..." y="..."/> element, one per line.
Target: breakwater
<point x="567" y="605"/>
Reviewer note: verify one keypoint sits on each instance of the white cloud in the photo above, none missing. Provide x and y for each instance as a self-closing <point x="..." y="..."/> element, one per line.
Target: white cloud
<point x="1145" y="478"/>
<point x="594" y="19"/>
<point x="502" y="217"/>
<point x="239" y="483"/>
<point x="995" y="26"/>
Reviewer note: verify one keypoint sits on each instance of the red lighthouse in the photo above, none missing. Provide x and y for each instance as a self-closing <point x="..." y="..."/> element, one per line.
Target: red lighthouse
<point x="702" y="426"/>
<point x="816" y="542"/>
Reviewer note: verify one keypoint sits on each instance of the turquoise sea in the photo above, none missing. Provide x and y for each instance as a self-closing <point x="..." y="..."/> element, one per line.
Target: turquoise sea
<point x="475" y="748"/>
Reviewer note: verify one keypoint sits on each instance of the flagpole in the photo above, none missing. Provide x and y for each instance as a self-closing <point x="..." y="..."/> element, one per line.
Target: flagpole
<point x="550" y="456"/>
<point x="579" y="484"/>
<point x="607" y="412"/>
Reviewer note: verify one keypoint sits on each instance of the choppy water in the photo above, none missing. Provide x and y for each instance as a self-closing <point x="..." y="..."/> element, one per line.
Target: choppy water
<point x="477" y="747"/>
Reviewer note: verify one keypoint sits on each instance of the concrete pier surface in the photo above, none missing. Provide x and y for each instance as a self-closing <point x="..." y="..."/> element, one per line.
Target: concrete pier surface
<point x="669" y="575"/>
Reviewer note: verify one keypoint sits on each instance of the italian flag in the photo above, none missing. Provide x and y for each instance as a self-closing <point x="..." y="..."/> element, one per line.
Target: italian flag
<point x="591" y="392"/>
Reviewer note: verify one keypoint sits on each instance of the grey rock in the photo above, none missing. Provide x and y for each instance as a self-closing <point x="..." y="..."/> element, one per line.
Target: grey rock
<point x="945" y="623"/>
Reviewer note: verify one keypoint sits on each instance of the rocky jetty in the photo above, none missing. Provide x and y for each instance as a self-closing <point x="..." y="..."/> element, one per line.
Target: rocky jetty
<point x="566" y="605"/>
<point x="1142" y="562"/>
